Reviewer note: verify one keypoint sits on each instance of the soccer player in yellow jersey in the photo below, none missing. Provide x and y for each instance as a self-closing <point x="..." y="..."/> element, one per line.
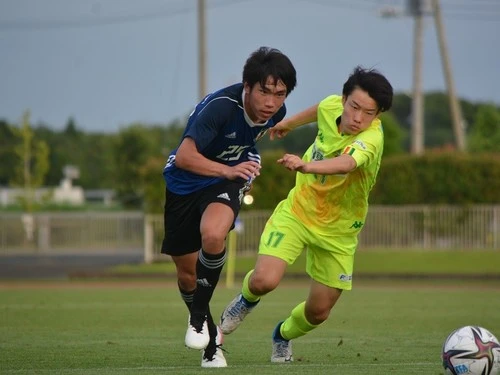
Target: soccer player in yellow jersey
<point x="325" y="210"/>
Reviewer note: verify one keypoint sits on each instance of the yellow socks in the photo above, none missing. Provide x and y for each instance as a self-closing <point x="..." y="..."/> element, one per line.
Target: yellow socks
<point x="245" y="291"/>
<point x="296" y="324"/>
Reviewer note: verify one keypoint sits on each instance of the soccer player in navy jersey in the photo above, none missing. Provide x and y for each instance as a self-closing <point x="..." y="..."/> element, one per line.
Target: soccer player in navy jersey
<point x="206" y="178"/>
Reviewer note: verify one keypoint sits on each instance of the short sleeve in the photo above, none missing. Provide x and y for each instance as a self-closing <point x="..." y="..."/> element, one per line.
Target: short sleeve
<point x="367" y="146"/>
<point x="203" y="126"/>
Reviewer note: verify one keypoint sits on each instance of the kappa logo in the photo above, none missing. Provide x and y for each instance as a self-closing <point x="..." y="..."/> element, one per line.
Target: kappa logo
<point x="231" y="135"/>
<point x="224" y="196"/>
<point x="356" y="225"/>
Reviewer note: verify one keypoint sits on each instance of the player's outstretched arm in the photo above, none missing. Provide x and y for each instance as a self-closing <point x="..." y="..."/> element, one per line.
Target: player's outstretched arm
<point x="189" y="158"/>
<point x="340" y="164"/>
<point x="282" y="128"/>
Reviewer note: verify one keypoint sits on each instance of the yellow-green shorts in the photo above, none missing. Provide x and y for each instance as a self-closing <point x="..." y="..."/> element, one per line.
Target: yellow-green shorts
<point x="330" y="259"/>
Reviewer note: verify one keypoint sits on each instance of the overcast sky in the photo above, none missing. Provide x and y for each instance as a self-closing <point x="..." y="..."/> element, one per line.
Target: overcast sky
<point x="109" y="63"/>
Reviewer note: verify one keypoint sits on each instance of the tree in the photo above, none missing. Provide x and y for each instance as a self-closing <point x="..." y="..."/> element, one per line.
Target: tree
<point x="66" y="147"/>
<point x="153" y="184"/>
<point x="97" y="164"/>
<point x="485" y="135"/>
<point x="131" y="151"/>
<point x="32" y="162"/>
<point x="394" y="134"/>
<point x="7" y="155"/>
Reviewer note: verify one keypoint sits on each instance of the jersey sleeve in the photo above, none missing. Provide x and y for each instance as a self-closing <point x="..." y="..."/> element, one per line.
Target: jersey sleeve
<point x="205" y="124"/>
<point x="367" y="146"/>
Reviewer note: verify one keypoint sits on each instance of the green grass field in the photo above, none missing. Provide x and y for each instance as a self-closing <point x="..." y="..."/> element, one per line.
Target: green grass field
<point x="389" y="262"/>
<point x="125" y="327"/>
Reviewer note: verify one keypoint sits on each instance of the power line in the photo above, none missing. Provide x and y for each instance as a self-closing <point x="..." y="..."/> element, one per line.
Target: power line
<point x="466" y="17"/>
<point x="94" y="21"/>
<point x="489" y="11"/>
<point x="480" y="10"/>
<point x="36" y="25"/>
<point x="364" y="5"/>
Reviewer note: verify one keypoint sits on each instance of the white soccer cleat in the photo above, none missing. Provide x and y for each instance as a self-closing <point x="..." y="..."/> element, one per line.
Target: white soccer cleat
<point x="234" y="313"/>
<point x="197" y="336"/>
<point x="282" y="349"/>
<point x="214" y="357"/>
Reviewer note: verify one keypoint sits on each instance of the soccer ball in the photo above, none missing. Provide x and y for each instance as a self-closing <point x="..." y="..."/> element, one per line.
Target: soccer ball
<point x="471" y="350"/>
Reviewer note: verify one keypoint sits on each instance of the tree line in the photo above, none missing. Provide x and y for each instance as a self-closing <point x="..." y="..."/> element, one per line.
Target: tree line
<point x="130" y="161"/>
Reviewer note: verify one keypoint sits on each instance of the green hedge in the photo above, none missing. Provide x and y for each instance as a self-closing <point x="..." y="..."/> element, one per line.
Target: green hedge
<point x="433" y="178"/>
<point x="438" y="178"/>
<point x="273" y="184"/>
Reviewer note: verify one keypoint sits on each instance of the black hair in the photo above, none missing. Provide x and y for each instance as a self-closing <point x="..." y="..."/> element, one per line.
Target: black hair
<point x="266" y="62"/>
<point x="374" y="83"/>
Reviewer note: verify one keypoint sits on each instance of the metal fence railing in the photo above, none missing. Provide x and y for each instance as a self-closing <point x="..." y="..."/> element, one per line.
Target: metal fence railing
<point x="46" y="233"/>
<point x="388" y="227"/>
<point x="432" y="227"/>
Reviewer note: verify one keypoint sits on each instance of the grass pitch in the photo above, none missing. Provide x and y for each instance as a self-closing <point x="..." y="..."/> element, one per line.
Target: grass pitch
<point x="138" y="328"/>
<point x="373" y="262"/>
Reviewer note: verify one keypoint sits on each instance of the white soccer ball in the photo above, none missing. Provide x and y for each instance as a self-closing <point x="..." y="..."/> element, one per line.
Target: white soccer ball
<point x="471" y="350"/>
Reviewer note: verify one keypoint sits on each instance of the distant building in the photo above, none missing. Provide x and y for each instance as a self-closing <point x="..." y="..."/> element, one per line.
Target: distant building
<point x="65" y="193"/>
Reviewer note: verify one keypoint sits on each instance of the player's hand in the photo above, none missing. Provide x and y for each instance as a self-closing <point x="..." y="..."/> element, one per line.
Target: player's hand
<point x="280" y="130"/>
<point x="292" y="162"/>
<point x="247" y="170"/>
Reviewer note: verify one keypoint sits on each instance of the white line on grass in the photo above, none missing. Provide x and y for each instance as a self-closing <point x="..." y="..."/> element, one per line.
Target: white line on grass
<point x="268" y="365"/>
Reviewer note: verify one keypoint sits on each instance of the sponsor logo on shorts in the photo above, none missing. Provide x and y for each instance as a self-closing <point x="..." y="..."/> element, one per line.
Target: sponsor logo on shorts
<point x="224" y="196"/>
<point x="344" y="277"/>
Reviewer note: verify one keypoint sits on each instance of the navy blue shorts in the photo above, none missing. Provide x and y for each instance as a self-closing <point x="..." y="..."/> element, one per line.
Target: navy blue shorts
<point x="182" y="215"/>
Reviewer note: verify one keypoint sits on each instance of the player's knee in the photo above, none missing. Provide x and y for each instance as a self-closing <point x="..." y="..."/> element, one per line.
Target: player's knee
<point x="186" y="281"/>
<point x="261" y="283"/>
<point x="212" y="243"/>
<point x="317" y="314"/>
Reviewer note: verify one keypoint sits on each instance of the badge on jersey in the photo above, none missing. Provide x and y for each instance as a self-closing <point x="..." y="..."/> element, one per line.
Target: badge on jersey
<point x="349" y="150"/>
<point x="260" y="135"/>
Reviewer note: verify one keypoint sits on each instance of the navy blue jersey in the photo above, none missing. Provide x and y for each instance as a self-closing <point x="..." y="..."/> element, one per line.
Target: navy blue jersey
<point x="223" y="133"/>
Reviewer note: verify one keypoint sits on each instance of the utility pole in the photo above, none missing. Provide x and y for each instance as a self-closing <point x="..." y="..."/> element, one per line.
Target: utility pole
<point x="415" y="9"/>
<point x="202" y="58"/>
<point x="418" y="9"/>
<point x="456" y="112"/>
<point x="417" y="109"/>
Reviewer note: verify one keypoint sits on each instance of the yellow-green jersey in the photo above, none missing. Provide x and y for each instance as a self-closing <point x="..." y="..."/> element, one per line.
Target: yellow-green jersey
<point x="336" y="205"/>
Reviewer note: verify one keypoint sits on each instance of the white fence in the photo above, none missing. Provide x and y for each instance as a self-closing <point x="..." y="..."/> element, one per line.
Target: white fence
<point x="48" y="233"/>
<point x="388" y="227"/>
